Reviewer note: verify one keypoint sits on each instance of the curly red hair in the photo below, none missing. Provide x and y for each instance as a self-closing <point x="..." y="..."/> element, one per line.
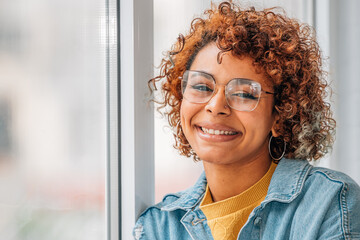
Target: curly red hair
<point x="285" y="50"/>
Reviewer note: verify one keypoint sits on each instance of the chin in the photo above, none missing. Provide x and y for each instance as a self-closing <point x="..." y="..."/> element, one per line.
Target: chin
<point x="215" y="153"/>
<point x="215" y="158"/>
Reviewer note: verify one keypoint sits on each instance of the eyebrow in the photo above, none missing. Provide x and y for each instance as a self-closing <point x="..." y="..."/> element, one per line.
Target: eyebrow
<point x="205" y="74"/>
<point x="209" y="76"/>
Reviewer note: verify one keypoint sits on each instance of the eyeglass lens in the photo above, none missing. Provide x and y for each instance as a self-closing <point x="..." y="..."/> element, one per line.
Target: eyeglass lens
<point x="241" y="94"/>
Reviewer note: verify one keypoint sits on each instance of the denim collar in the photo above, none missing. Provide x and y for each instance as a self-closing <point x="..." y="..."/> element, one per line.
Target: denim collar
<point x="286" y="184"/>
<point x="189" y="198"/>
<point x="288" y="180"/>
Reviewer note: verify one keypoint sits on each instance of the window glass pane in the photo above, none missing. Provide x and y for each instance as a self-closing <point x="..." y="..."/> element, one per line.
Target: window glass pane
<point x="52" y="120"/>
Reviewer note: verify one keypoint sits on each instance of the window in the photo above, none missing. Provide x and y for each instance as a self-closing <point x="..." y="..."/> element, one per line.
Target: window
<point x="53" y="144"/>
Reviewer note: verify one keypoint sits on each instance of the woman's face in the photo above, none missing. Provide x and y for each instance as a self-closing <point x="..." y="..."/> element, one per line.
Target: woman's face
<point x="252" y="128"/>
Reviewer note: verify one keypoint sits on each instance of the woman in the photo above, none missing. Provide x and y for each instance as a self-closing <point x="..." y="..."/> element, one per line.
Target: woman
<point x="246" y="95"/>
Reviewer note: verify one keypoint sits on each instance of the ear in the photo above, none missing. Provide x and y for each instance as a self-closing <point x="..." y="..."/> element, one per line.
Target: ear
<point x="275" y="127"/>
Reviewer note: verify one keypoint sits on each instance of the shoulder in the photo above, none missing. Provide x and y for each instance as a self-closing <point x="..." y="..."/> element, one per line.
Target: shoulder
<point x="155" y="212"/>
<point x="339" y="195"/>
<point x="152" y="223"/>
<point x="292" y="177"/>
<point x="326" y="178"/>
<point x="330" y="184"/>
<point x="336" y="184"/>
<point x="162" y="220"/>
<point x="328" y="199"/>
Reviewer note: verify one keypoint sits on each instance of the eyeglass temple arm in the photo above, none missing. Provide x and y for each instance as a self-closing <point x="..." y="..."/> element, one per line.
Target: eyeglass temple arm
<point x="268" y="92"/>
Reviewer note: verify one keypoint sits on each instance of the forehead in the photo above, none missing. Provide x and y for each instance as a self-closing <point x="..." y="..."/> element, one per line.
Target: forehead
<point x="230" y="67"/>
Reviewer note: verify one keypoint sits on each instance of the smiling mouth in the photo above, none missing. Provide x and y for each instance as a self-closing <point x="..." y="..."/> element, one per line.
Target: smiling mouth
<point x="217" y="132"/>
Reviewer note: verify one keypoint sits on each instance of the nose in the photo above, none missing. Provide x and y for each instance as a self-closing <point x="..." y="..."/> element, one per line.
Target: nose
<point x="218" y="105"/>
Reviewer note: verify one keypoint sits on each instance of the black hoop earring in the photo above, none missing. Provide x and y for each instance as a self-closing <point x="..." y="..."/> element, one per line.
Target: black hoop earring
<point x="276" y="160"/>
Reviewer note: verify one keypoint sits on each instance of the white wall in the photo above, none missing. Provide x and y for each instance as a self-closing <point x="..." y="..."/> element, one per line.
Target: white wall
<point x="345" y="72"/>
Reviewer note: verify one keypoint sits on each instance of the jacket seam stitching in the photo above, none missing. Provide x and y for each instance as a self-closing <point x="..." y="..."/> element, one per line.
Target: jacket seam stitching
<point x="183" y="223"/>
<point x="302" y="180"/>
<point x="344" y="211"/>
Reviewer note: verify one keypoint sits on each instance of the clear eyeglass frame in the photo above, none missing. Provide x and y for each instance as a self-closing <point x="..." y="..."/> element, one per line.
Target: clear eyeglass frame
<point x="241" y="94"/>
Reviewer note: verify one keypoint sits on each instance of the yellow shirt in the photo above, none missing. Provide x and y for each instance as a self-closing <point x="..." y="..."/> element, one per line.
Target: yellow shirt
<point x="225" y="218"/>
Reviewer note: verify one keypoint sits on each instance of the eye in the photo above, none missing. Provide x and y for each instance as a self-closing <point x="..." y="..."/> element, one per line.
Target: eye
<point x="245" y="95"/>
<point x="201" y="88"/>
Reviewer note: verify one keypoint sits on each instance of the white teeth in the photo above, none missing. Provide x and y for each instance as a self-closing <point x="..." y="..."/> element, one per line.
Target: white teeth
<point x="217" y="132"/>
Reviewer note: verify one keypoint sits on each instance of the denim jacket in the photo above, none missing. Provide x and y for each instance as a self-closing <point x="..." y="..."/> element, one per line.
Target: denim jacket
<point x="303" y="202"/>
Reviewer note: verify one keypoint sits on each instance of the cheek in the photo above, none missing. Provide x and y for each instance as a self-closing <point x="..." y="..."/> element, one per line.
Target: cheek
<point x="182" y="116"/>
<point x="265" y="115"/>
<point x="187" y="112"/>
<point x="259" y="124"/>
<point x="184" y="120"/>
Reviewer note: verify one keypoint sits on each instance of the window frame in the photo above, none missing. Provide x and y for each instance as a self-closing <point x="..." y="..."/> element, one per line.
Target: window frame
<point x="113" y="186"/>
<point x="136" y="114"/>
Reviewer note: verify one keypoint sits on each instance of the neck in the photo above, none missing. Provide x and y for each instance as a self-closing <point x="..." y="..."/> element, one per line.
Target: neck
<point x="229" y="180"/>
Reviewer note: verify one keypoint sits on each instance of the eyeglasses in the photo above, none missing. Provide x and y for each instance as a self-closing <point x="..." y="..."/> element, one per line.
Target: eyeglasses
<point x="241" y="94"/>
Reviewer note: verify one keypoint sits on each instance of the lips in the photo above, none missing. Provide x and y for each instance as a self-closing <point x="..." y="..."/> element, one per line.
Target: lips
<point x="217" y="132"/>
